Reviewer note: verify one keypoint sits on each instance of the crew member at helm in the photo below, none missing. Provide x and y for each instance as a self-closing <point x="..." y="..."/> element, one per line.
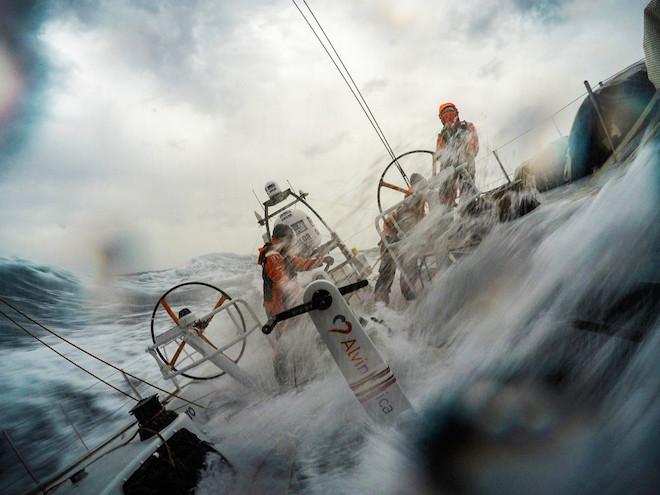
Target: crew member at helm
<point x="457" y="144"/>
<point x="279" y="269"/>
<point x="396" y="225"/>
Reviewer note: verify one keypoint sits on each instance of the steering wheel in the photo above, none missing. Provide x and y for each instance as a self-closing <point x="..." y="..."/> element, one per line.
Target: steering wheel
<point x="183" y="297"/>
<point x="396" y="176"/>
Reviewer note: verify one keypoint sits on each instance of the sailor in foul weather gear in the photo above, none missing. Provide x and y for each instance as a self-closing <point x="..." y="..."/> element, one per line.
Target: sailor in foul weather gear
<point x="279" y="271"/>
<point x="457" y="146"/>
<point x="280" y="268"/>
<point x="399" y="223"/>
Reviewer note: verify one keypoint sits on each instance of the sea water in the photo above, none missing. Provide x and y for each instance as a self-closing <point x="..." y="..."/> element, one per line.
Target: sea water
<point x="532" y="364"/>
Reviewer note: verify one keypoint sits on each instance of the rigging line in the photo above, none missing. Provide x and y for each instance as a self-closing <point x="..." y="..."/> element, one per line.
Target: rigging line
<point x="569" y="103"/>
<point x="342" y="75"/>
<point x="53" y="483"/>
<point x="357" y="88"/>
<point x="542" y="120"/>
<point x="50" y="487"/>
<point x="88" y="387"/>
<point x="600" y="83"/>
<point x="63" y="356"/>
<point x="110" y="375"/>
<point x="42" y="326"/>
<point x="258" y="200"/>
<point x="370" y="115"/>
<point x="382" y="140"/>
<point x="98" y="422"/>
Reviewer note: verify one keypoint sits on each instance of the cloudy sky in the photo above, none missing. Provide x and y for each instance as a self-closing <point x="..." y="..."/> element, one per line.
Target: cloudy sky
<point x="143" y="126"/>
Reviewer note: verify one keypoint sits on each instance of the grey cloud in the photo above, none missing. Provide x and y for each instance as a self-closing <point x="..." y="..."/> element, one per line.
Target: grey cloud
<point x="177" y="44"/>
<point x="492" y="69"/>
<point x="201" y="70"/>
<point x="87" y="12"/>
<point x="95" y="13"/>
<point x="485" y="20"/>
<point x="326" y="146"/>
<point x="375" y="85"/>
<point x="156" y="40"/>
<point x="548" y="11"/>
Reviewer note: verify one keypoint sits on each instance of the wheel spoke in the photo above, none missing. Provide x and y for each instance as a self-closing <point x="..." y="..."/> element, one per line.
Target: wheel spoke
<point x="169" y="311"/>
<point x="407" y="192"/>
<point x="203" y="324"/>
<point x="177" y="353"/>
<point x="220" y="302"/>
<point x="205" y="339"/>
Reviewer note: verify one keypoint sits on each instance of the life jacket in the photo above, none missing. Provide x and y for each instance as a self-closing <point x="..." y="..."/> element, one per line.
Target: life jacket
<point x="289" y="269"/>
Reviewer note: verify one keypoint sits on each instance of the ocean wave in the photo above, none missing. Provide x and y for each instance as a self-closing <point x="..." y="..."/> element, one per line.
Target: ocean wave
<point x="51" y="295"/>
